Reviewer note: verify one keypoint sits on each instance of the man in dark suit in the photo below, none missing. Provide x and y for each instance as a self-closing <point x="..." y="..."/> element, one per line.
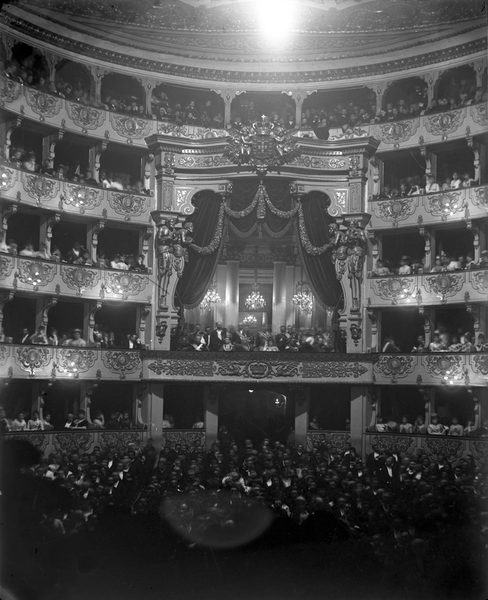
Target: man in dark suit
<point x="25" y="338"/>
<point x="217" y="337"/>
<point x="75" y="255"/>
<point x="374" y="460"/>
<point x="388" y="473"/>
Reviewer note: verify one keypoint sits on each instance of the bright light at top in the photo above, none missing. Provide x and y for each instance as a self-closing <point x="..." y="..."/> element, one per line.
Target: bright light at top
<point x="276" y="18"/>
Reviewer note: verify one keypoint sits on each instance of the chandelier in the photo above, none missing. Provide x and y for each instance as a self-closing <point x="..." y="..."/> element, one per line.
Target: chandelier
<point x="255" y="301"/>
<point x="303" y="298"/>
<point x="211" y="298"/>
<point x="250" y="320"/>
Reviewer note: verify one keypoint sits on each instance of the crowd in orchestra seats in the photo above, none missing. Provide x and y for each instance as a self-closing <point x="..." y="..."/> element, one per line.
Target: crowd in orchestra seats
<point x="402" y="506"/>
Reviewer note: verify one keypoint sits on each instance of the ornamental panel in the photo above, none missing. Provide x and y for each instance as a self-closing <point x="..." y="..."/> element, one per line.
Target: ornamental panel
<point x="177" y="368"/>
<point x="444" y="205"/>
<point x="479" y="449"/>
<point x="257" y="369"/>
<point x="40" y="188"/>
<point x="133" y="128"/>
<point x="74" y="361"/>
<point x="315" y="162"/>
<point x="122" y="362"/>
<point x="81" y="197"/>
<point x="4" y="354"/>
<point x="479" y="281"/>
<point x="192" y="133"/>
<point x="9" y="90"/>
<point x="438" y="447"/>
<point x="86" y="117"/>
<point x="480" y="198"/>
<point x="128" y="205"/>
<point x="73" y="443"/>
<point x="125" y="283"/>
<point x="332" y="370"/>
<point x="395" y="366"/>
<point x="42" y="104"/>
<point x="443" y="285"/>
<point x="445" y="122"/>
<point x="200" y="162"/>
<point x="38" y="440"/>
<point x="479" y="113"/>
<point x="336" y="442"/>
<point x="393" y="289"/>
<point x="195" y="440"/>
<point x="390" y="443"/>
<point x="118" y="441"/>
<point x="395" y="210"/>
<point x="80" y="278"/>
<point x="6" y="266"/>
<point x="444" y="366"/>
<point x="35" y="273"/>
<point x="8" y="177"/>
<point x="394" y="133"/>
<point x="32" y="358"/>
<point x="479" y="364"/>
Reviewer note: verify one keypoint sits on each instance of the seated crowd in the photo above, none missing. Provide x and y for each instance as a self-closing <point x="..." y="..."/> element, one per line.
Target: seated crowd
<point x="442" y="341"/>
<point x="243" y="339"/>
<point x="415" y="185"/>
<point x="437" y="426"/>
<point x="24" y="159"/>
<point x="400" y="505"/>
<point x="443" y="263"/>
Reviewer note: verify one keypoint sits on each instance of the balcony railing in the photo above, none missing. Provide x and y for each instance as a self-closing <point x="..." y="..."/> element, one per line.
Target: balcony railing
<point x="73" y="198"/>
<point x="61" y="279"/>
<point x="427" y="289"/>
<point x="462" y="204"/>
<point x="47" y="362"/>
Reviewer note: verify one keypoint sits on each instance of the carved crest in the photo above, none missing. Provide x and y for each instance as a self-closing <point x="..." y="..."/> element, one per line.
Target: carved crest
<point x="86" y="117"/>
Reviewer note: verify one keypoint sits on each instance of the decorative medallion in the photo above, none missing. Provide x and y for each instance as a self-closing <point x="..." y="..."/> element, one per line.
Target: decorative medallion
<point x="444" y="205"/>
<point x="479" y="281"/>
<point x="4" y="354"/>
<point x="42" y="104"/>
<point x="118" y="441"/>
<point x="262" y="145"/>
<point x="437" y="447"/>
<point x="35" y="273"/>
<point x="479" y="449"/>
<point x="316" y="162"/>
<point x="73" y="443"/>
<point x="398" y="132"/>
<point x="127" y="205"/>
<point x="75" y="360"/>
<point x="32" y="358"/>
<point x="396" y="366"/>
<point x="125" y="283"/>
<point x="179" y="368"/>
<point x="479" y="113"/>
<point x="81" y="197"/>
<point x="336" y="442"/>
<point x="200" y="162"/>
<point x="445" y="122"/>
<point x="443" y="366"/>
<point x="9" y="90"/>
<point x="86" y="117"/>
<point x="122" y="362"/>
<point x="395" y="210"/>
<point x="257" y="369"/>
<point x="479" y="363"/>
<point x="390" y="443"/>
<point x="195" y="440"/>
<point x="40" y="188"/>
<point x="356" y="333"/>
<point x="444" y="285"/>
<point x="6" y="266"/>
<point x="332" y="370"/>
<point x="481" y="196"/>
<point x="7" y="178"/>
<point x="394" y="289"/>
<point x="130" y="127"/>
<point x="79" y="278"/>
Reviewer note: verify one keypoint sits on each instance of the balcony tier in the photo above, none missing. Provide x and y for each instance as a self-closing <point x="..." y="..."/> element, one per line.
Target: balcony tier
<point x="61" y="279"/>
<point x="60" y="196"/>
<point x="98" y="123"/>
<point x="427" y="289"/>
<point x="45" y="362"/>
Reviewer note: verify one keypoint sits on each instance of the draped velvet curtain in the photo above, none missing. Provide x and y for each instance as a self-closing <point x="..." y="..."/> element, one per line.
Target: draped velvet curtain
<point x="320" y="269"/>
<point x="200" y="268"/>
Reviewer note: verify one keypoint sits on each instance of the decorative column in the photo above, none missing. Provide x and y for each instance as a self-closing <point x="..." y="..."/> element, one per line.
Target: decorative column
<point x="227" y="96"/>
<point x="302" y="408"/>
<point x="49" y="147"/>
<point x="231" y="303"/>
<point x="4" y="298"/>
<point x="431" y="79"/>
<point x="142" y="313"/>
<point x="47" y="224"/>
<point x="289" y="290"/>
<point x="371" y="408"/>
<point x="92" y="235"/>
<point x="429" y="237"/>
<point x="7" y="127"/>
<point x="278" y="316"/>
<point x="219" y="310"/>
<point x="299" y="96"/>
<point x="152" y="407"/>
<point x="358" y="416"/>
<point x="94" y="156"/>
<point x="379" y="89"/>
<point x="211" y="396"/>
<point x="47" y="304"/>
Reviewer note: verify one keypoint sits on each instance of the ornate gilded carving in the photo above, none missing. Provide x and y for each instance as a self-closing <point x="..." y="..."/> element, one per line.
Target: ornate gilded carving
<point x="395" y="210"/>
<point x="42" y="104"/>
<point x="400" y="131"/>
<point x="128" y="205"/>
<point x="79" y="278"/>
<point x="443" y="366"/>
<point x="444" y="205"/>
<point x="356" y="333"/>
<point x="437" y="447"/>
<point x="35" y="273"/>
<point x="480" y="198"/>
<point x="130" y="127"/>
<point x="479" y="281"/>
<point x="393" y="289"/>
<point x="257" y="369"/>
<point x="9" y="90"/>
<point x="480" y="452"/>
<point x="199" y="162"/>
<point x="4" y="354"/>
<point x="6" y="266"/>
<point x="444" y="285"/>
<point x="118" y="441"/>
<point x="122" y="362"/>
<point x="125" y="283"/>
<point x="192" y="133"/>
<point x="315" y="162"/>
<point x="73" y="443"/>
<point x="445" y="122"/>
<point x="75" y="360"/>
<point x="86" y="117"/>
<point x="332" y="370"/>
<point x="336" y="442"/>
<point x="404" y="444"/>
<point x="195" y="440"/>
<point x="350" y="133"/>
<point x="479" y="363"/>
<point x="81" y="197"/>
<point x="177" y="368"/>
<point x="32" y="358"/>
<point x="7" y="178"/>
<point x="479" y="113"/>
<point x="40" y="188"/>
<point x="395" y="366"/>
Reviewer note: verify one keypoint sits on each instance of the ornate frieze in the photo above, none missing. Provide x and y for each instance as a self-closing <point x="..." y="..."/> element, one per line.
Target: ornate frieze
<point x="437" y="447"/>
<point x="9" y="91"/>
<point x="118" y="441"/>
<point x="480" y="451"/>
<point x="35" y="273"/>
<point x="7" y="178"/>
<point x="40" y="188"/>
<point x="202" y="162"/>
<point x="479" y="281"/>
<point x="443" y="366"/>
<point x="122" y="362"/>
<point x="32" y="358"/>
<point x="479" y="364"/>
<point x="481" y="196"/>
<point x="444" y="205"/>
<point x="81" y="197"/>
<point x="395" y="210"/>
<point x="128" y="205"/>
<point x="192" y="133"/>
<point x="444" y="285"/>
<point x="332" y="370"/>
<point x="6" y="266"/>
<point x="74" y="361"/>
<point x="479" y="113"/>
<point x="396" y="366"/>
<point x="4" y="354"/>
<point x="401" y="131"/>
<point x="445" y="122"/>
<point x="80" y="278"/>
<point x="256" y="369"/>
<point x="73" y="443"/>
<point x="177" y="368"/>
<point x="394" y="289"/>
<point x="334" y="441"/>
<point x="316" y="162"/>
<point x="195" y="440"/>
<point x="391" y="443"/>
<point x="86" y="117"/>
<point x="130" y="127"/>
<point x="125" y="283"/>
<point x="44" y="105"/>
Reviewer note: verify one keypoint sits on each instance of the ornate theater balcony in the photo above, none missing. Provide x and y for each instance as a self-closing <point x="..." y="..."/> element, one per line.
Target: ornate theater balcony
<point x="72" y="198"/>
<point x="45" y="362"/>
<point x="61" y="279"/>
<point x="463" y="204"/>
<point x="427" y="289"/>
